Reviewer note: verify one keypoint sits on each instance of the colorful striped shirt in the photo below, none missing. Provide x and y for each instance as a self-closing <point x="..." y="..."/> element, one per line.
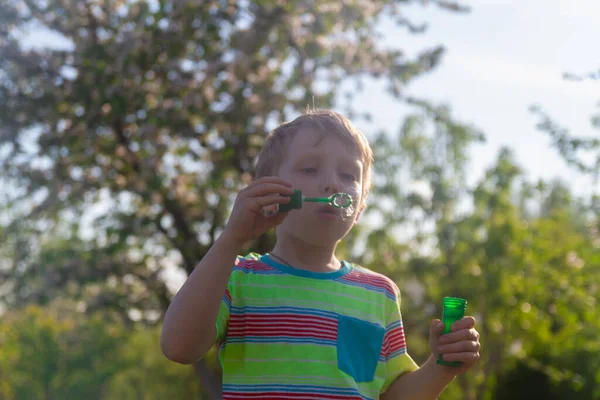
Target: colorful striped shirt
<point x="285" y="333"/>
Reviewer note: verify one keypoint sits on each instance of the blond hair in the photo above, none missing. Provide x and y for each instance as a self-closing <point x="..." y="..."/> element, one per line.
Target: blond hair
<point x="325" y="122"/>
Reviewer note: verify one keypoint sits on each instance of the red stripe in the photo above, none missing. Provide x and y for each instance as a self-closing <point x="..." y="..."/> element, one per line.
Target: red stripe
<point x="270" y="327"/>
<point x="397" y="340"/>
<point x="281" y="318"/>
<point x="371" y="277"/>
<point x="370" y="281"/>
<point x="253" y="265"/>
<point x="393" y="341"/>
<point x="290" y="328"/>
<point x="397" y="346"/>
<point x="284" y="315"/>
<point x="280" y="332"/>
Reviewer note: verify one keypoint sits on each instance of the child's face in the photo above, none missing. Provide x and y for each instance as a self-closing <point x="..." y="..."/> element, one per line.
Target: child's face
<point x="321" y="165"/>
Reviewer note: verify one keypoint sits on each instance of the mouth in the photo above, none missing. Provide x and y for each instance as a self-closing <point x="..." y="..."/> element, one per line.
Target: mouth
<point x="329" y="210"/>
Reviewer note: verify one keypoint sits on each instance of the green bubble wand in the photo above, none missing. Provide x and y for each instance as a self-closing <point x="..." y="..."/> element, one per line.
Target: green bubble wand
<point x="337" y="200"/>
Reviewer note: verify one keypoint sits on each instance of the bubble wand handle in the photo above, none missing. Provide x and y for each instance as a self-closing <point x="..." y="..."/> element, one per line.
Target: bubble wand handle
<point x="338" y="200"/>
<point x="317" y="199"/>
<point x="454" y="310"/>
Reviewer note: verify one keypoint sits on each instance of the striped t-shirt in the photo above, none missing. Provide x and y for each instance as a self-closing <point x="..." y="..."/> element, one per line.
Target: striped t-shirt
<point x="285" y="333"/>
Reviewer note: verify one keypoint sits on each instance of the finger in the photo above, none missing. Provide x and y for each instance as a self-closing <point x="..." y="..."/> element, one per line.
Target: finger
<point x="269" y="188"/>
<point x="463" y="334"/>
<point x="272" y="199"/>
<point x="436" y="328"/>
<point x="463" y="323"/>
<point x="468" y="357"/>
<point x="458" y="347"/>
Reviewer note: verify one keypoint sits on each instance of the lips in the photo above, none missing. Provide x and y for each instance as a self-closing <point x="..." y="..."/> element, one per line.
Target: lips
<point x="329" y="210"/>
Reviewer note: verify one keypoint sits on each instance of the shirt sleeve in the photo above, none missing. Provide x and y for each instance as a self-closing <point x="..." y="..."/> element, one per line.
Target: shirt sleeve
<point x="396" y="358"/>
<point x="225" y="307"/>
<point x="223" y="315"/>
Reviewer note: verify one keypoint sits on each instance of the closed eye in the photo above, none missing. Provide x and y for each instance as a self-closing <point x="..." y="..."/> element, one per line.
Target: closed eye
<point x="309" y="170"/>
<point x="349" y="177"/>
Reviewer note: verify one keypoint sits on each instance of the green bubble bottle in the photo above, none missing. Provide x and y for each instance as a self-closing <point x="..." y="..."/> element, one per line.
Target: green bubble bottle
<point x="454" y="310"/>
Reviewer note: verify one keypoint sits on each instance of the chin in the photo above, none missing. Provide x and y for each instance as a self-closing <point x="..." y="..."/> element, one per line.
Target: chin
<point x="319" y="237"/>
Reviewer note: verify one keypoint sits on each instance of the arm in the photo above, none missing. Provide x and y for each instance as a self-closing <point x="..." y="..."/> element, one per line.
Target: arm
<point x="429" y="381"/>
<point x="426" y="383"/>
<point x="189" y="326"/>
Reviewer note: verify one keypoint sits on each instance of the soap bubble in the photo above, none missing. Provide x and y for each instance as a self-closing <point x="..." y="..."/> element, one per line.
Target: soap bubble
<point x="349" y="211"/>
<point x="342" y="200"/>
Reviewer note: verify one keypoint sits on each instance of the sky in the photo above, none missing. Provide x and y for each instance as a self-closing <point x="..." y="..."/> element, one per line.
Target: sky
<point x="503" y="57"/>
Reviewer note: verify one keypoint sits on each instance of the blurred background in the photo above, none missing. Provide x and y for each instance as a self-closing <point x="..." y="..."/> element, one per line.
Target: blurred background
<point x="127" y="127"/>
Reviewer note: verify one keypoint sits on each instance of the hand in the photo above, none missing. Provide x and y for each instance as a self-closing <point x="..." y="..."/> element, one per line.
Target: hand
<point x="247" y="220"/>
<point x="461" y="344"/>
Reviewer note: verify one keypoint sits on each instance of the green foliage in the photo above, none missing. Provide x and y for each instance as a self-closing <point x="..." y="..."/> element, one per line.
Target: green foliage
<point x="121" y="151"/>
<point x="531" y="274"/>
<point x="53" y="352"/>
<point x="45" y="354"/>
<point x="148" y="376"/>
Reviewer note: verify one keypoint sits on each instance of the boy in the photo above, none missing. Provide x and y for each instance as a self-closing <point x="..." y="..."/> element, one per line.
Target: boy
<point x="297" y="323"/>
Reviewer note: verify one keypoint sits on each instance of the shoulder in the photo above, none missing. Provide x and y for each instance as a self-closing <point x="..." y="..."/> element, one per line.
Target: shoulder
<point x="251" y="263"/>
<point x="372" y="280"/>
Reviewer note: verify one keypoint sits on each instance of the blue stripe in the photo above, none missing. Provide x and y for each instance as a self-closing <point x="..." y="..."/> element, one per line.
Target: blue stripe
<point x="396" y="354"/>
<point x="226" y="300"/>
<point x="395" y="324"/>
<point x="292" y="389"/>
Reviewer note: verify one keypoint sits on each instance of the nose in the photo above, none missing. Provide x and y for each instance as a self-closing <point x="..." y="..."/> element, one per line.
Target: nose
<point x="330" y="183"/>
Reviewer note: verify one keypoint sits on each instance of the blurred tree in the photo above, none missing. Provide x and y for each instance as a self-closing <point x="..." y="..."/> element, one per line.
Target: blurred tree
<point x="148" y="376"/>
<point x="55" y="353"/>
<point x="46" y="354"/>
<point x="130" y="137"/>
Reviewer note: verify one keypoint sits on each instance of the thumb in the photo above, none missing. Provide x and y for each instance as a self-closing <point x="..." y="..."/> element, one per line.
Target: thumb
<point x="435" y="331"/>
<point x="436" y="328"/>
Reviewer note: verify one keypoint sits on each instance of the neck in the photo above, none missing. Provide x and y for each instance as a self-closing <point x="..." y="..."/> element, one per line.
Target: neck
<point x="306" y="256"/>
